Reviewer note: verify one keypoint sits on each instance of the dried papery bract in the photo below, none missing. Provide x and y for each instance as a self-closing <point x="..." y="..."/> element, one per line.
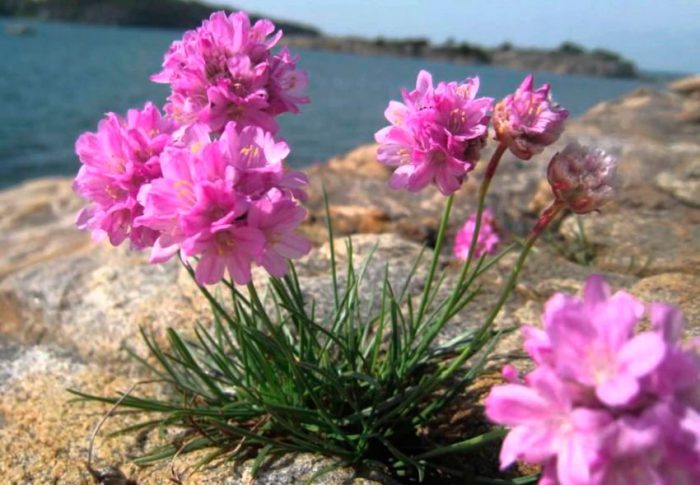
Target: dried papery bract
<point x="582" y="178"/>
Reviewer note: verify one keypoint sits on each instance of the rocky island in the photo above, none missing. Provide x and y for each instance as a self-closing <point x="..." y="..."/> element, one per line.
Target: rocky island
<point x="68" y="306"/>
<point x="568" y="58"/>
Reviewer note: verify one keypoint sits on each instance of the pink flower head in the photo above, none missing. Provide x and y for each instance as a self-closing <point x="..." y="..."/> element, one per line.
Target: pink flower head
<point x="227" y="201"/>
<point x="277" y="216"/>
<point x="486" y="242"/>
<point x="604" y="405"/>
<point x="546" y="424"/>
<point x="583" y="179"/>
<point x="224" y="71"/>
<point x="528" y="120"/>
<point x="116" y="161"/>
<point x="435" y="135"/>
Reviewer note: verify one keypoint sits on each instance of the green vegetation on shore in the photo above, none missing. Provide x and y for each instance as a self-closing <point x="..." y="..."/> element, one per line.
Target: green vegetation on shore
<point x="179" y="14"/>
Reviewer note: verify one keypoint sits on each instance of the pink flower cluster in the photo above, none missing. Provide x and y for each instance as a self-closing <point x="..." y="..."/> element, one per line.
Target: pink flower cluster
<point x="487" y="239"/>
<point x="604" y="405"/>
<point x="224" y="71"/>
<point x="117" y="160"/>
<point x="528" y="120"/>
<point x="207" y="180"/>
<point x="228" y="201"/>
<point x="435" y="135"/>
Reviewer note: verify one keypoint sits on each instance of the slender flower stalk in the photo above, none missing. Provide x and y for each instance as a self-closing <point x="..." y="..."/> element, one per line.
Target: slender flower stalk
<point x="442" y="229"/>
<point x="545" y="219"/>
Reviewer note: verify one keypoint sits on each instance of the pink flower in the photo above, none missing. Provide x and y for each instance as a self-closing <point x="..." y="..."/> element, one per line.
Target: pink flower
<point x="224" y="71"/>
<point x="435" y="135"/>
<point x="486" y="242"/>
<point x="227" y="201"/>
<point x="116" y="161"/>
<point x="594" y="345"/>
<point x="603" y="405"/>
<point x="528" y="120"/>
<point x="277" y="217"/>
<point x="545" y="424"/>
<point x="582" y="179"/>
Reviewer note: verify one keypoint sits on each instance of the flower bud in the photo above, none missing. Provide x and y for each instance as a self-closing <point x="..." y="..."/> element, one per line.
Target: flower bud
<point x="582" y="179"/>
<point x="528" y="120"/>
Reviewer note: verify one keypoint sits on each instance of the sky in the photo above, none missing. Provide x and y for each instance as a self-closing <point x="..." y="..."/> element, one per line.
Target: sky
<point x="661" y="35"/>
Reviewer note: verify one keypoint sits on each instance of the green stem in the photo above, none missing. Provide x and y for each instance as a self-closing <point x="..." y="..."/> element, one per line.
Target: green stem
<point x="483" y="190"/>
<point x="436" y="257"/>
<point x="457" y="292"/>
<point x="547" y="216"/>
<point x="466" y="445"/>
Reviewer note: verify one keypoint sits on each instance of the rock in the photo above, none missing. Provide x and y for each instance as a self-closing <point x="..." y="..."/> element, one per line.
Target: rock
<point x="679" y="289"/>
<point x="68" y="306"/>
<point x="687" y="85"/>
<point x="683" y="183"/>
<point x="45" y="437"/>
<point x="642" y="242"/>
<point x="95" y="303"/>
<point x="37" y="224"/>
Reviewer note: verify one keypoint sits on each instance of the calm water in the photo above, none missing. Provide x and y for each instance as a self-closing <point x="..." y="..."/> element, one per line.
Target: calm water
<point x="59" y="82"/>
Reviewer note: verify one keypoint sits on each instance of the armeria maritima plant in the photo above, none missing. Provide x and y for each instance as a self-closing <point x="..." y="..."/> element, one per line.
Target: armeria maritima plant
<point x="206" y="182"/>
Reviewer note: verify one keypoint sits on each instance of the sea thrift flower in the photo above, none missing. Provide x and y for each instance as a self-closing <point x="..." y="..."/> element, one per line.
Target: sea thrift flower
<point x="116" y="161"/>
<point x="528" y="120"/>
<point x="227" y="201"/>
<point x="224" y="71"/>
<point x="603" y="405"/>
<point x="486" y="242"/>
<point x="277" y="217"/>
<point x="435" y="134"/>
<point x="582" y="179"/>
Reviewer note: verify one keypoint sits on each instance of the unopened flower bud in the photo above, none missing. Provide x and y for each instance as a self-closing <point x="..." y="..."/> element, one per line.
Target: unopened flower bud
<point x="528" y="120"/>
<point x="583" y="179"/>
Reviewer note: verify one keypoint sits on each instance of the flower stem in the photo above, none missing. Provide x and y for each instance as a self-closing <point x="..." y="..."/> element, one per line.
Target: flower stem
<point x="457" y="291"/>
<point x="545" y="219"/>
<point x="466" y="445"/>
<point x="436" y="257"/>
<point x="483" y="190"/>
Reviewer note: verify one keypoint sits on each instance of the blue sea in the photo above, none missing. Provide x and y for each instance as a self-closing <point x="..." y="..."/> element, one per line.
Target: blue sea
<point x="60" y="81"/>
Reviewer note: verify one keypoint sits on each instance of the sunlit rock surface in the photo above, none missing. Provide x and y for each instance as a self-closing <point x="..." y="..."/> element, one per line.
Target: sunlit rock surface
<point x="68" y="306"/>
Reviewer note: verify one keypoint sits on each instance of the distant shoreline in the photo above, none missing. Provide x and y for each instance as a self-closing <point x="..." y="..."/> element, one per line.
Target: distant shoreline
<point x="568" y="58"/>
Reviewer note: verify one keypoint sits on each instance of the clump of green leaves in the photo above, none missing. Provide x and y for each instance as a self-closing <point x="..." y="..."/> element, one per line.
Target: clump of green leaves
<point x="270" y="376"/>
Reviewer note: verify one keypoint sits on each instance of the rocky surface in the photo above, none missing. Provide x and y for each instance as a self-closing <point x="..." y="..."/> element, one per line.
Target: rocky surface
<point x="68" y="306"/>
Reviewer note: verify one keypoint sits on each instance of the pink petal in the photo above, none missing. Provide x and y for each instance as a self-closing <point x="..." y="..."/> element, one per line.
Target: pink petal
<point x="210" y="270"/>
<point x="534" y="444"/>
<point x="618" y="391"/>
<point x="513" y="404"/>
<point x="668" y="320"/>
<point x="642" y="354"/>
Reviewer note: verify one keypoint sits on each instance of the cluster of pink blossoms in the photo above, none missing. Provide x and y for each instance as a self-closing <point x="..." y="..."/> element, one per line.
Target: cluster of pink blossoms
<point x="435" y="135"/>
<point x="528" y="120"/>
<point x="487" y="239"/>
<point x="208" y="179"/>
<point x="224" y="71"/>
<point x="116" y="161"/>
<point x="604" y="405"/>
